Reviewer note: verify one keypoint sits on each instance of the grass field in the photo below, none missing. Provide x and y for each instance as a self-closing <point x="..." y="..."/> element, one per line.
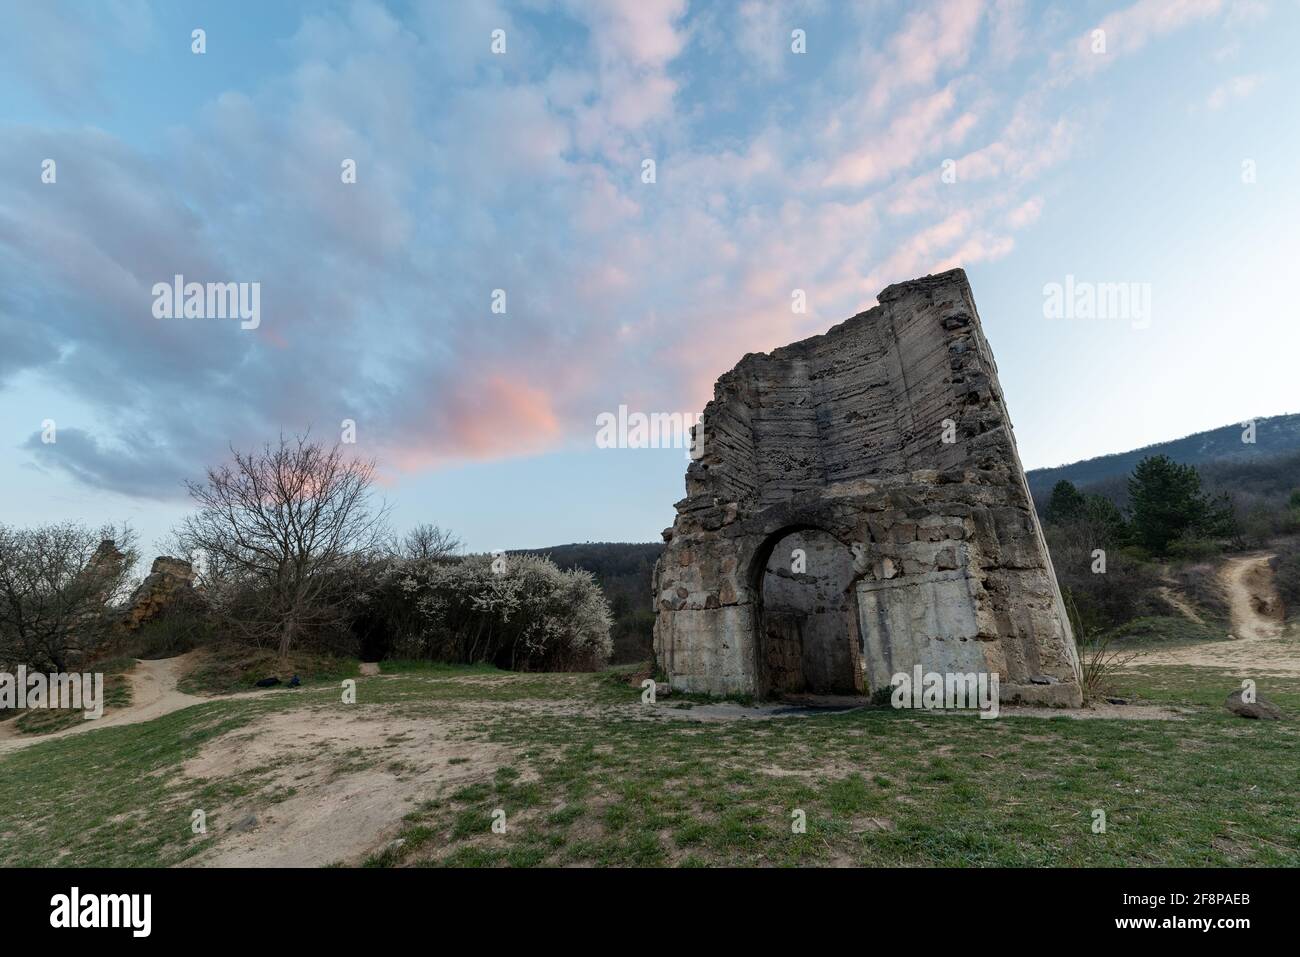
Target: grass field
<point x="117" y="694"/>
<point x="582" y="773"/>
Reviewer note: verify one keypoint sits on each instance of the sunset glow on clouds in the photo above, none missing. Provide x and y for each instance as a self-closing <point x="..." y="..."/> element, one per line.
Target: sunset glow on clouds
<point x="521" y="172"/>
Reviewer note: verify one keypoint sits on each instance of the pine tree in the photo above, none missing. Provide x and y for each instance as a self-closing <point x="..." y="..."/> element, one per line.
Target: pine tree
<point x="1067" y="504"/>
<point x="1167" y="503"/>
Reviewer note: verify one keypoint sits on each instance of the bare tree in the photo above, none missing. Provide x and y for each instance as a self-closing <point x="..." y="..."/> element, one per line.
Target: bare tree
<point x="426" y="542"/>
<point x="58" y="587"/>
<point x="272" y="529"/>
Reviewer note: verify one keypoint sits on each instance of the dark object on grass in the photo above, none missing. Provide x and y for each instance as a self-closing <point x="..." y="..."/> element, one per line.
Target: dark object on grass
<point x="294" y="682"/>
<point x="268" y="682"/>
<point x="1259" y="708"/>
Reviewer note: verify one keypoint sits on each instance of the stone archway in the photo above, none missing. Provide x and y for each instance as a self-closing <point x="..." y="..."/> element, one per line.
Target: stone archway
<point x="806" y="619"/>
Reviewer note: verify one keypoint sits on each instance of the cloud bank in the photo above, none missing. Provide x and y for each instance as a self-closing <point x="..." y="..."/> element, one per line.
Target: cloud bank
<point x="519" y="172"/>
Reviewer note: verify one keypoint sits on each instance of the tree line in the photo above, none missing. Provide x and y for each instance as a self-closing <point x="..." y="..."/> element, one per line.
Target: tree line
<point x="292" y="550"/>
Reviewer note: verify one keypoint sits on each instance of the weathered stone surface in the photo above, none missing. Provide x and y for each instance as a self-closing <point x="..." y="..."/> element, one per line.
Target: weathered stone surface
<point x="1259" y="709"/>
<point x="170" y="580"/>
<point x="104" y="568"/>
<point x="107" y="558"/>
<point x="858" y="508"/>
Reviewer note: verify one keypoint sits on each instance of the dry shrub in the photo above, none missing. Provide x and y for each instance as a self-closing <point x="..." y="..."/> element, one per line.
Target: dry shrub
<point x="1099" y="664"/>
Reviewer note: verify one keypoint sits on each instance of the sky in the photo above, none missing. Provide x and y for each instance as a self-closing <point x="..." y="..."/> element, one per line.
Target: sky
<point x="504" y="269"/>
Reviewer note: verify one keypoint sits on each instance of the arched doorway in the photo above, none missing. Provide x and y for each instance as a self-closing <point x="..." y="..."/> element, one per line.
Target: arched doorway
<point x="807" y="622"/>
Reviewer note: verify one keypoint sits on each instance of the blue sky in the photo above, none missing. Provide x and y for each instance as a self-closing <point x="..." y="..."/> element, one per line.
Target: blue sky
<point x="521" y="171"/>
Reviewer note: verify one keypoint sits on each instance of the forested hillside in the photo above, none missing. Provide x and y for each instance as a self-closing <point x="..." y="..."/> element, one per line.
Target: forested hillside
<point x="1275" y="436"/>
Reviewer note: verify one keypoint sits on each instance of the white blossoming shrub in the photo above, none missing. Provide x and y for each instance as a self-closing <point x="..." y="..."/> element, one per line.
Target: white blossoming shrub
<point x="520" y="612"/>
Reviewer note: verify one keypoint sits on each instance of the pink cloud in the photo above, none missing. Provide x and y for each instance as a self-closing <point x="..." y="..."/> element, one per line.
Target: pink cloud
<point x="1007" y="31"/>
<point x="496" y="416"/>
<point x="644" y="32"/>
<point x="1238" y="87"/>
<point x="911" y="133"/>
<point x="932" y="39"/>
<point x="1026" y="213"/>
<point x="1129" y="30"/>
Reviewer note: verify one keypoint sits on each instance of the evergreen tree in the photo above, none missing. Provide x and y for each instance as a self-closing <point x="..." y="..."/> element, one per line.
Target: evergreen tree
<point x="1167" y="503"/>
<point x="1106" y="520"/>
<point x="1066" y="506"/>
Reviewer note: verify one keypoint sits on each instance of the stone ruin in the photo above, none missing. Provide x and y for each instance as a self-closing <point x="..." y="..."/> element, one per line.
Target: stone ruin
<point x="170" y="583"/>
<point x="856" y="508"/>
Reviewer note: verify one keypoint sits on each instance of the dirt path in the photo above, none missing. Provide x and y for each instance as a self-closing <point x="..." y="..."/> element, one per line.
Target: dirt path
<point x="1256" y="644"/>
<point x="153" y="694"/>
<point x="1256" y="609"/>
<point x="1168" y="592"/>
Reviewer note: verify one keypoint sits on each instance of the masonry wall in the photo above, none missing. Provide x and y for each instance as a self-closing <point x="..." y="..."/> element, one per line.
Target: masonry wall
<point x="844" y="433"/>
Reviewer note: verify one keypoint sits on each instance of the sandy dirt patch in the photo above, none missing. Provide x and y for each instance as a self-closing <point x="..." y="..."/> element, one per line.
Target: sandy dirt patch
<point x="1256" y="645"/>
<point x="353" y="776"/>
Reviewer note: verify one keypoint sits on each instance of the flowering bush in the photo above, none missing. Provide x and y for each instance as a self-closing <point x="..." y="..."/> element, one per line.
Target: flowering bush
<point x="520" y="612"/>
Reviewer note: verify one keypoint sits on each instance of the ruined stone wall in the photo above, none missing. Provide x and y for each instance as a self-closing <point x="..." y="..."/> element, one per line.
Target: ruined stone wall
<point x="845" y="433"/>
<point x="170" y="583"/>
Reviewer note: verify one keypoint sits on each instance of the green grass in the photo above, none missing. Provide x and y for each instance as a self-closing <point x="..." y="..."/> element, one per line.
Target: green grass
<point x="422" y="666"/>
<point x="117" y="694"/>
<point x="228" y="668"/>
<point x="107" y="798"/>
<point x="883" y="787"/>
<point x="1166" y="631"/>
<point x="587" y="780"/>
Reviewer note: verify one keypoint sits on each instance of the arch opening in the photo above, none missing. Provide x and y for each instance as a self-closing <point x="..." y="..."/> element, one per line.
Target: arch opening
<point x="807" y="640"/>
